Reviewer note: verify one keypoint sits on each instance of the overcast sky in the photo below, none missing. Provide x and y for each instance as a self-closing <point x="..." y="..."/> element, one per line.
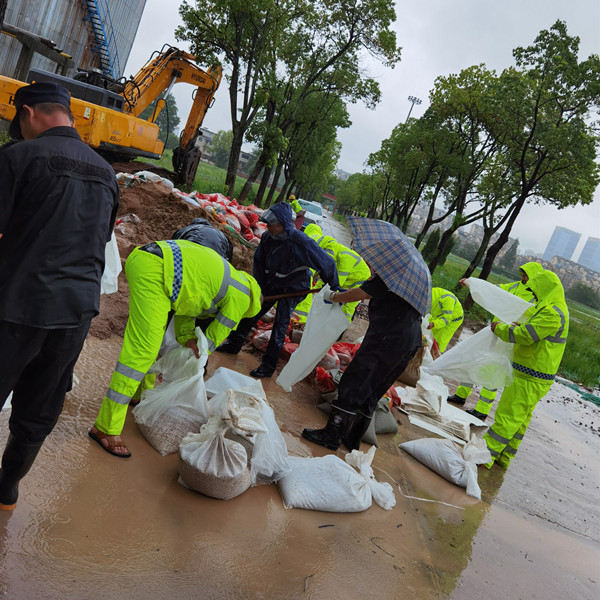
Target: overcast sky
<point x="438" y="37"/>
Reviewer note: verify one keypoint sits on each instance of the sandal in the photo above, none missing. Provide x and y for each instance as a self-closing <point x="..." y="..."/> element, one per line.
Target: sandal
<point x="111" y="443"/>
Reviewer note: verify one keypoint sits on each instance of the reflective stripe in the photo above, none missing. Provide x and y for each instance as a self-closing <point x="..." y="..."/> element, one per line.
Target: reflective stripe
<point x="532" y="332"/>
<point x="129" y="372"/>
<point x="538" y="374"/>
<point x="518" y="436"/>
<point x="211" y="345"/>
<point x="241" y="287"/>
<point x="558" y="339"/>
<point x="445" y="320"/>
<point x="447" y="312"/>
<point x="494" y="453"/>
<point x="303" y="268"/>
<point x="225" y="321"/>
<point x="457" y="319"/>
<point x="118" y="397"/>
<point x="510" y="450"/>
<point x="177" y="269"/>
<point x="511" y="334"/>
<point x="343" y="273"/>
<point x="497" y="437"/>
<point x="302" y="313"/>
<point x="486" y="400"/>
<point x="513" y="286"/>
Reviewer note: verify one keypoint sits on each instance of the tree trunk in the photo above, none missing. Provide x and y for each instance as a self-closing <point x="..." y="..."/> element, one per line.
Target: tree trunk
<point x="497" y="245"/>
<point x="234" y="158"/>
<point x="433" y="263"/>
<point x="273" y="188"/>
<point x="264" y="182"/>
<point x="258" y="167"/>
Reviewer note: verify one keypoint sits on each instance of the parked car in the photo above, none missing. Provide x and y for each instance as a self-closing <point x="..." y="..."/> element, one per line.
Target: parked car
<point x="314" y="212"/>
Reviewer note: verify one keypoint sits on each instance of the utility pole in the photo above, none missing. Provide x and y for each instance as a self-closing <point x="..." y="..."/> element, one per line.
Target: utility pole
<point x="413" y="100"/>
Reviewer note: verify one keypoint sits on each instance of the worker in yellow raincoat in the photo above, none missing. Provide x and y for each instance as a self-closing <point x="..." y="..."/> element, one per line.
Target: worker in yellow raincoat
<point x="446" y="316"/>
<point x="191" y="281"/>
<point x="487" y="397"/>
<point x="352" y="270"/>
<point x="298" y="211"/>
<point x="539" y="347"/>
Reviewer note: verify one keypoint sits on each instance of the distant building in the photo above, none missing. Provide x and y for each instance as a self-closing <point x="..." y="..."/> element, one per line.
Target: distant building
<point x="343" y="175"/>
<point x="562" y="243"/>
<point x="590" y="255"/>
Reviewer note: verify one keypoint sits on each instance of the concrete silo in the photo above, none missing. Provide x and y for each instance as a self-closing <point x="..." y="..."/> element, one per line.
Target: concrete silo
<point x="95" y="33"/>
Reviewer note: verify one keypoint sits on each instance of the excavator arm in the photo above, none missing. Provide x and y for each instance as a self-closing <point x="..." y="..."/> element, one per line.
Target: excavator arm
<point x="158" y="76"/>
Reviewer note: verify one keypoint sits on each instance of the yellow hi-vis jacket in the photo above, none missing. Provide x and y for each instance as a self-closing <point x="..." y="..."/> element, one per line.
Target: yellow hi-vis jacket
<point x="540" y="341"/>
<point x="352" y="269"/>
<point x="296" y="206"/>
<point x="446" y="316"/>
<point x="194" y="282"/>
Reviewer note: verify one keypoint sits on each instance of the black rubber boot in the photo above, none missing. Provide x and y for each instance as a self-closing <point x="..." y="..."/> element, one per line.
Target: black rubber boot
<point x="338" y="426"/>
<point x="261" y="371"/>
<point x="230" y="347"/>
<point x="355" y="434"/>
<point x="477" y="414"/>
<point x="16" y="462"/>
<point x="456" y="399"/>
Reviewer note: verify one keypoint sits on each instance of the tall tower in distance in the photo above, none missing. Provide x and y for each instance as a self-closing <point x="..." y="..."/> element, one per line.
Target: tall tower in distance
<point x="590" y="255"/>
<point x="562" y="243"/>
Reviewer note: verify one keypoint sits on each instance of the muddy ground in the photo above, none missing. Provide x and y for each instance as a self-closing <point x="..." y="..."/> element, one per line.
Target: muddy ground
<point x="92" y="526"/>
<point x="89" y="525"/>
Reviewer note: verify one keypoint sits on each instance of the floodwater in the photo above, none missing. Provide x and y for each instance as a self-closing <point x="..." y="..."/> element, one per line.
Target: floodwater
<point x="89" y="525"/>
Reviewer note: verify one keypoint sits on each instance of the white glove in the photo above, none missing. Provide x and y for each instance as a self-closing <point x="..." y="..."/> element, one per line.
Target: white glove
<point x="328" y="297"/>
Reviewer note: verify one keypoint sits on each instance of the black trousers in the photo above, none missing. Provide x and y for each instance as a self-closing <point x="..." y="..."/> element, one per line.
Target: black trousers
<point x="37" y="365"/>
<point x="378" y="362"/>
<point x="285" y="308"/>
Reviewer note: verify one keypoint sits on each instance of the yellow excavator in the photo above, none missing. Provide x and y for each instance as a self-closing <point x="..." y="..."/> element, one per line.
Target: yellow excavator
<point x="107" y="111"/>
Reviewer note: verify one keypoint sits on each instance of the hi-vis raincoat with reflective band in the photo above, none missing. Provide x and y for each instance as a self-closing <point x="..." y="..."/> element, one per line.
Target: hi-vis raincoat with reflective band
<point x="521" y="290"/>
<point x="194" y="282"/>
<point x="352" y="269"/>
<point x="539" y="346"/>
<point x="296" y="206"/>
<point x="446" y="316"/>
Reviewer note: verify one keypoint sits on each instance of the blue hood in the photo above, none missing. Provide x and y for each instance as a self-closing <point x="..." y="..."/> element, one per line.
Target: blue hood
<point x="282" y="212"/>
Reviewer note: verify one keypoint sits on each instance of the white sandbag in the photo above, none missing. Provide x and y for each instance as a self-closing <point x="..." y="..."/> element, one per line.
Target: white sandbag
<point x="455" y="464"/>
<point x="225" y="379"/>
<point x="382" y="492"/>
<point x="112" y="267"/>
<point x="213" y="465"/>
<point x="324" y="325"/>
<point x="182" y="387"/>
<point x="153" y="177"/>
<point x="504" y="305"/>
<point x="169" y="340"/>
<point x="251" y="415"/>
<point x="482" y="358"/>
<point x="324" y="483"/>
<point x="429" y="396"/>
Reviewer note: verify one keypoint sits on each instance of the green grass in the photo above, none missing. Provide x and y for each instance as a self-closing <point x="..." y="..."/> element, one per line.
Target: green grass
<point x="209" y="179"/>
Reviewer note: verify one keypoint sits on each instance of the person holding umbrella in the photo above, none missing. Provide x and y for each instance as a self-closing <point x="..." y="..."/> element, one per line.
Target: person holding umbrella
<point x="399" y="294"/>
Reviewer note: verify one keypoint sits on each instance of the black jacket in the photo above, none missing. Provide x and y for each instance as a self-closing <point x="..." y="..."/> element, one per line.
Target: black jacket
<point x="58" y="202"/>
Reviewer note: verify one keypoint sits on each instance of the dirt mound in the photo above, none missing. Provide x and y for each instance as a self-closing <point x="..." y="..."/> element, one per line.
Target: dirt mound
<point x="150" y="212"/>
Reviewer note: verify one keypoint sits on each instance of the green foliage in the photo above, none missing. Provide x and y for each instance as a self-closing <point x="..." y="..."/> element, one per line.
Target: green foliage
<point x="466" y="250"/>
<point x="167" y="120"/>
<point x="220" y="147"/>
<point x="449" y="248"/>
<point x="585" y="295"/>
<point x="431" y="245"/>
<point x="582" y="354"/>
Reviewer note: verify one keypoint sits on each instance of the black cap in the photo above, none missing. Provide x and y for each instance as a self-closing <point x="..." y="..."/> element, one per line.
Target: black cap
<point x="37" y="93"/>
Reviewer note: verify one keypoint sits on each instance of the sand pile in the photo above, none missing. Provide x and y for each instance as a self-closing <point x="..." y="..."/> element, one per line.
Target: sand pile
<point x="158" y="214"/>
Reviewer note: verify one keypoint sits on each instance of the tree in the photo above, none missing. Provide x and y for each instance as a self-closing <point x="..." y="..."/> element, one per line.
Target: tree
<point x="278" y="52"/>
<point x="220" y="148"/>
<point x="431" y="244"/>
<point x="510" y="256"/>
<point x="543" y="107"/>
<point x="168" y="120"/>
<point x="584" y="294"/>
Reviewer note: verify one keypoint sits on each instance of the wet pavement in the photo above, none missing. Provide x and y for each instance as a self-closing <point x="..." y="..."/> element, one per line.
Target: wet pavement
<point x="89" y="525"/>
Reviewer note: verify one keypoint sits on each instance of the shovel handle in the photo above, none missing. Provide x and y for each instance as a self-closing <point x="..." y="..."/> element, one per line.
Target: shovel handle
<point x="291" y="295"/>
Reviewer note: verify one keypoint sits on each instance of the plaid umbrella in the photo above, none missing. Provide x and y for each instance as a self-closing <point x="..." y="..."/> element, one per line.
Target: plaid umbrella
<point x="395" y="259"/>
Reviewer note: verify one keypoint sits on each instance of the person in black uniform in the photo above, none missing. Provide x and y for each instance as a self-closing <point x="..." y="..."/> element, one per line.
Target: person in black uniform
<point x="59" y="203"/>
<point x="392" y="339"/>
